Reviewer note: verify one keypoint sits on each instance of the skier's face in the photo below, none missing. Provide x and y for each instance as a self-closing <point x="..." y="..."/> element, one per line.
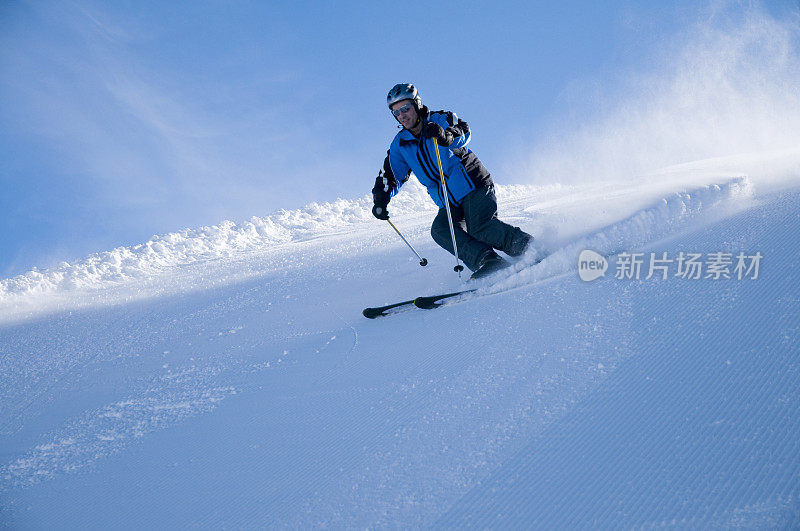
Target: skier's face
<point x="408" y="118"/>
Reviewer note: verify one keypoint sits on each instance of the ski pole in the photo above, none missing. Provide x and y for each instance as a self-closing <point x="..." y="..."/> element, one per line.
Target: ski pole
<point x="422" y="261"/>
<point x="458" y="268"/>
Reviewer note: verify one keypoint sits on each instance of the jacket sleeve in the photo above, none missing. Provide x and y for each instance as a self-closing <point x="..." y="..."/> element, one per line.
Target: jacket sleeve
<point x="387" y="184"/>
<point x="455" y="125"/>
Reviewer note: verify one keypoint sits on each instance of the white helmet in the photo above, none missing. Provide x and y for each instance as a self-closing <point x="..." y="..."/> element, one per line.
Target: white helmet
<point x="404" y="91"/>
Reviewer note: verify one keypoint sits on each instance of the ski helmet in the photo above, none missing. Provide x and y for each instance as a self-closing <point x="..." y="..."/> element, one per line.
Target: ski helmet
<point x="404" y="91"/>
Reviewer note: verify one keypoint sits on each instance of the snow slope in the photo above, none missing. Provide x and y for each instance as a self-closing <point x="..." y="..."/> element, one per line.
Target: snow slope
<point x="224" y="377"/>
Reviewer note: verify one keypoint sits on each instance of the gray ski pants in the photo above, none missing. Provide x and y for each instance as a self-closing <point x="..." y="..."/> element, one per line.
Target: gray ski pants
<point x="477" y="229"/>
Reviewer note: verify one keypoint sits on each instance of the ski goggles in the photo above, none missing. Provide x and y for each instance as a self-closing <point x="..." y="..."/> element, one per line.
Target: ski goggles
<point x="402" y="110"/>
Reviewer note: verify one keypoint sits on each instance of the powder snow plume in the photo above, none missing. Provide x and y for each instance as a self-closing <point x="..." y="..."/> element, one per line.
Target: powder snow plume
<point x="726" y="86"/>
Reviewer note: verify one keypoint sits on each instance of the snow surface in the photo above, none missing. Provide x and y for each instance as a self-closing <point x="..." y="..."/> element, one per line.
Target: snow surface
<point x="224" y="376"/>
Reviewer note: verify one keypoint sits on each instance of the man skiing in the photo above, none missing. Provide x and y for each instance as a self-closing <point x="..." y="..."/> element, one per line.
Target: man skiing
<point x="470" y="189"/>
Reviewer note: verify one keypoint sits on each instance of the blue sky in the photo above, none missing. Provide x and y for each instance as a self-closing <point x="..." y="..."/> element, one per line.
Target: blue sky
<point x="120" y="120"/>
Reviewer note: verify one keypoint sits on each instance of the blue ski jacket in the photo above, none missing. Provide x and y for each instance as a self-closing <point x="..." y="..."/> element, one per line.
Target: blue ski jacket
<point x="463" y="171"/>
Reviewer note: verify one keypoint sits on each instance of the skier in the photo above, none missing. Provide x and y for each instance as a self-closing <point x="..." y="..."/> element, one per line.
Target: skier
<point x="470" y="189"/>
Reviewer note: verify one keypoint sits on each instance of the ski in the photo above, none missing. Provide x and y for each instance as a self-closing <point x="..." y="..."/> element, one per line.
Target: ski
<point x="429" y="303"/>
<point x="426" y="303"/>
<point x="380" y="311"/>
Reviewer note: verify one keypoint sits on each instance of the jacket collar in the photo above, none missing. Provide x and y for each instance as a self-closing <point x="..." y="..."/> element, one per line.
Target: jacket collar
<point x="405" y="136"/>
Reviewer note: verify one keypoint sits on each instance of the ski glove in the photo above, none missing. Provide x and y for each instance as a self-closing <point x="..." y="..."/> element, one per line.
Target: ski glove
<point x="381" y="196"/>
<point x="443" y="136"/>
<point x="380" y="212"/>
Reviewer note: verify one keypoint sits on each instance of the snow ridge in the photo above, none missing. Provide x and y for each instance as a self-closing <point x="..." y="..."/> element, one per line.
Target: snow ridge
<point x="665" y="217"/>
<point x="208" y="243"/>
<point x="229" y="239"/>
